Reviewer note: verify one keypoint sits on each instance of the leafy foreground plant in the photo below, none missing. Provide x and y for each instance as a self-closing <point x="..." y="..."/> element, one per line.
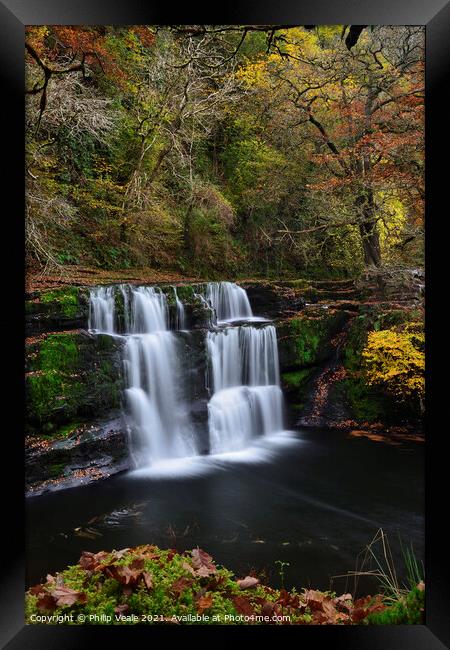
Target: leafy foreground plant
<point x="149" y="585"/>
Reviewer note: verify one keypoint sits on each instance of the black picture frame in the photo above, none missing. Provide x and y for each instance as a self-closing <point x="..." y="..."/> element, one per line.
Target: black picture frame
<point x="14" y="15"/>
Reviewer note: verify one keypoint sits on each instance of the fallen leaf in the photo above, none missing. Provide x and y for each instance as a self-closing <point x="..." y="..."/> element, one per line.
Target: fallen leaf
<point x="203" y="563"/>
<point x="243" y="605"/>
<point x="148" y="579"/>
<point x="314" y="599"/>
<point x="188" y="567"/>
<point x="180" y="585"/>
<point x="344" y="601"/>
<point x="248" y="582"/>
<point x="46" y="601"/>
<point x="267" y="608"/>
<point x="204" y="602"/>
<point x="121" y="609"/>
<point x="64" y="596"/>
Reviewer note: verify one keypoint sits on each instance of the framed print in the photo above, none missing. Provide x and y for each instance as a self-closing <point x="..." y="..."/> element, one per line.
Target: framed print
<point x="217" y="283"/>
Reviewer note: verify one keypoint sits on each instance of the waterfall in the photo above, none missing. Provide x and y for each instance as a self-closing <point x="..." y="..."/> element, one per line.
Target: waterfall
<point x="180" y="320"/>
<point x="160" y="424"/>
<point x="245" y="402"/>
<point x="229" y="301"/>
<point x="241" y="414"/>
<point x="102" y="309"/>
<point x="243" y="355"/>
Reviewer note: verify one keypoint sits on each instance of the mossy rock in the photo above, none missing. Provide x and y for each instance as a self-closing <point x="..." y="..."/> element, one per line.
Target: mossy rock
<point x="56" y="309"/>
<point x="365" y="403"/>
<point x="71" y="375"/>
<point x="296" y="387"/>
<point x="165" y="587"/>
<point x="408" y="610"/>
<point x="305" y="340"/>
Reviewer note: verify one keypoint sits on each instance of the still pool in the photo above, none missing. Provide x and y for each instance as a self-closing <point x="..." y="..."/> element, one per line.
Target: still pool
<point x="310" y="498"/>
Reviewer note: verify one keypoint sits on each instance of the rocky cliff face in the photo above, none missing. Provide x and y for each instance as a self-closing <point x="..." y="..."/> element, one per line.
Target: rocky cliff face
<point x="321" y="349"/>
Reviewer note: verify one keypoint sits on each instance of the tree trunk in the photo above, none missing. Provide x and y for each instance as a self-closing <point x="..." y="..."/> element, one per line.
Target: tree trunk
<point x="368" y="229"/>
<point x="371" y="243"/>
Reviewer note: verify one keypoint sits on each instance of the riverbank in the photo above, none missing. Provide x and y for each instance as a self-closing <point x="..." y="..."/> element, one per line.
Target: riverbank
<point x="148" y="585"/>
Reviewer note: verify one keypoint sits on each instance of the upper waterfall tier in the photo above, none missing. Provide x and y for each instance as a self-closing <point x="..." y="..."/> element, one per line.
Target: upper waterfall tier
<point x="143" y="310"/>
<point x="229" y="301"/>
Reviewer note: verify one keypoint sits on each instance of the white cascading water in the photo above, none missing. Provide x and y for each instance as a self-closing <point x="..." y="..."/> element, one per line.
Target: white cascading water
<point x="102" y="310"/>
<point x="159" y="420"/>
<point x="180" y="316"/>
<point x="229" y="301"/>
<point x="246" y="400"/>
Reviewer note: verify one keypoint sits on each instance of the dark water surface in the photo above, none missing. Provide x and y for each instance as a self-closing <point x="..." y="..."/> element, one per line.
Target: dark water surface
<point x="315" y="502"/>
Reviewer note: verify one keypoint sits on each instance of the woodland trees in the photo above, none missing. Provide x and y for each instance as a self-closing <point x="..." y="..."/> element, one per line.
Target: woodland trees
<point x="225" y="149"/>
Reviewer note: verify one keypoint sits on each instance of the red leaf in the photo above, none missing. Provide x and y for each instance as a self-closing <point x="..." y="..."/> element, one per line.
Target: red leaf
<point x="46" y="601"/>
<point x="123" y="574"/>
<point x="203" y="563"/>
<point x="64" y="596"/>
<point x="180" y="585"/>
<point x="37" y="589"/>
<point x="243" y="605"/>
<point x="203" y="602"/>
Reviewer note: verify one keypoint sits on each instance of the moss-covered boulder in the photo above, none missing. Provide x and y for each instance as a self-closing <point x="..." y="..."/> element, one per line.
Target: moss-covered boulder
<point x="305" y="340"/>
<point x="71" y="375"/>
<point x="57" y="309"/>
<point x="148" y="585"/>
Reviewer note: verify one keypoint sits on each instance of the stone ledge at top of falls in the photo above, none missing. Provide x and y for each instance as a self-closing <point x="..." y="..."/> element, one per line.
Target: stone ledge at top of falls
<point x="90" y="453"/>
<point x="67" y="308"/>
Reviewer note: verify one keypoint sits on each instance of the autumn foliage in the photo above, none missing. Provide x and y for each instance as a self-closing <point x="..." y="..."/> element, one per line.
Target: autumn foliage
<point x="394" y="360"/>
<point x="177" y="587"/>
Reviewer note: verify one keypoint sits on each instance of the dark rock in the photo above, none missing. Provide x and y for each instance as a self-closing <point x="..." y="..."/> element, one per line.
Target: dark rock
<point x="93" y="451"/>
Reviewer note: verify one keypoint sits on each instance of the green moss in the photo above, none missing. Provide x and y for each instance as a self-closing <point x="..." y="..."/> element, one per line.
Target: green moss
<point x="407" y="611"/>
<point x="67" y="300"/>
<point x="186" y="292"/>
<point x="56" y="470"/>
<point x="70" y="376"/>
<point x="67" y="429"/>
<point x="296" y="379"/>
<point x="103" y="593"/>
<point x="146" y="582"/>
<point x="52" y="397"/>
<point x="366" y="403"/>
<point x="299" y="284"/>
<point x="355" y="342"/>
<point x="58" y="352"/>
<point x="311" y="337"/>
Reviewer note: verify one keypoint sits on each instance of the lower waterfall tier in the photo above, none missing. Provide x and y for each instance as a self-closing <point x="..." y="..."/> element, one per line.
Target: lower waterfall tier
<point x="237" y="415"/>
